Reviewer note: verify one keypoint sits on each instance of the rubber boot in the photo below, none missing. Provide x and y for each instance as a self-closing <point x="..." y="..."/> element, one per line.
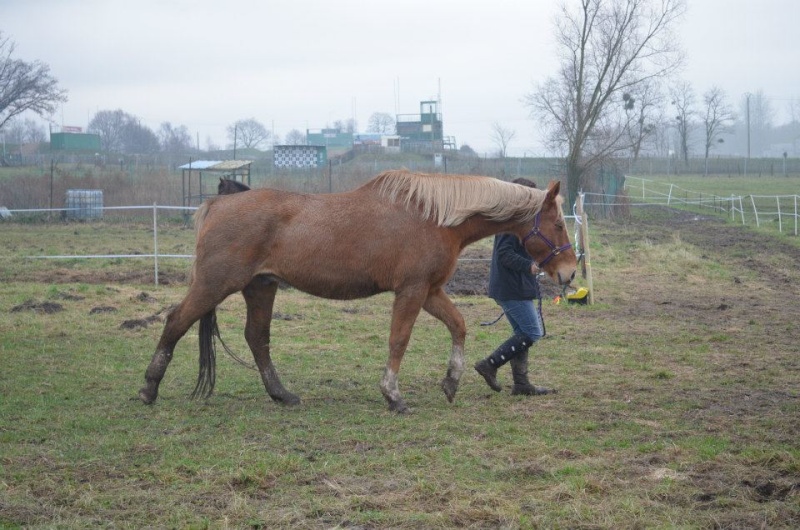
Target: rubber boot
<point x="504" y="353"/>
<point x="522" y="386"/>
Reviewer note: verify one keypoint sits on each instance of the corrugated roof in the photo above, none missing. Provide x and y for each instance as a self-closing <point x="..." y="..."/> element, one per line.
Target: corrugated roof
<point x="232" y="164"/>
<point x="200" y="164"/>
<point x="217" y="165"/>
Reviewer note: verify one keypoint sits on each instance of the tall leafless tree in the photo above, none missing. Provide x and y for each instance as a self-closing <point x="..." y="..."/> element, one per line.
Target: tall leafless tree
<point x="346" y="126"/>
<point x="27" y="131"/>
<point x="759" y="117"/>
<point x="502" y="138"/>
<point x="25" y="86"/>
<point x="121" y="132"/>
<point x="606" y="47"/>
<point x="110" y="126"/>
<point x="248" y="134"/>
<point x="175" y="139"/>
<point x="295" y="137"/>
<point x="381" y="122"/>
<point x="683" y="99"/>
<point x="644" y="108"/>
<point x="718" y="116"/>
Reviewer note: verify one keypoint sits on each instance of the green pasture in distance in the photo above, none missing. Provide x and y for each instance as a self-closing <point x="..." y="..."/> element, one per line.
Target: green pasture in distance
<point x="723" y="186"/>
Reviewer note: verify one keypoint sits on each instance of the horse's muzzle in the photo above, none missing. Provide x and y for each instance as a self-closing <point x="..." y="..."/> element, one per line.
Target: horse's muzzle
<point x="566" y="280"/>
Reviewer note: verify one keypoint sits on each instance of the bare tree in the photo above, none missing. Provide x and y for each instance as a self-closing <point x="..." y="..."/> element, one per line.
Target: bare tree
<point x="346" y="126"/>
<point x="381" y="122"/>
<point x="110" y="126"/>
<point x="502" y="138"/>
<point x="138" y="138"/>
<point x="683" y="99"/>
<point x="295" y="137"/>
<point x="606" y="47"/>
<point x="644" y="109"/>
<point x="248" y="134"/>
<point x="25" y="131"/>
<point x="175" y="139"/>
<point x="759" y="117"/>
<point x="211" y="145"/>
<point x="121" y="132"/>
<point x="717" y="120"/>
<point x="25" y="86"/>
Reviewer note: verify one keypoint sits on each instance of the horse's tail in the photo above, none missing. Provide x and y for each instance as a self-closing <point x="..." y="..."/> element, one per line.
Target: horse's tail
<point x="207" y="375"/>
<point x="209" y="333"/>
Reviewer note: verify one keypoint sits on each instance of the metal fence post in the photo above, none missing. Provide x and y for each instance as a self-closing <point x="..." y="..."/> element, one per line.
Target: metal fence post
<point x="155" y="241"/>
<point x="755" y="211"/>
<point x="741" y="209"/>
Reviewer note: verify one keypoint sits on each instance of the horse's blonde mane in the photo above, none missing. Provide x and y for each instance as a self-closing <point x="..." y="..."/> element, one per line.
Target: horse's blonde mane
<point x="449" y="200"/>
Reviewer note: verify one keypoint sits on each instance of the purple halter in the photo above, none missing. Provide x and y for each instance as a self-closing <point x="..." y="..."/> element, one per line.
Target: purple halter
<point x="554" y="250"/>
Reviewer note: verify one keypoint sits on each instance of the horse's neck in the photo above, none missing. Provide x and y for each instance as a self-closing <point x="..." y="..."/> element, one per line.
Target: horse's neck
<point x="478" y="227"/>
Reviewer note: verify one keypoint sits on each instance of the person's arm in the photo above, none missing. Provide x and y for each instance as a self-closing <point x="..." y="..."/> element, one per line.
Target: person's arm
<point x="508" y="256"/>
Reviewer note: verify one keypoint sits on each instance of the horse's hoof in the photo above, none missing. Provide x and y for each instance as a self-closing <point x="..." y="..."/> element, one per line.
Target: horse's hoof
<point x="399" y="407"/>
<point x="449" y="386"/>
<point x="287" y="399"/>
<point x="146" y="397"/>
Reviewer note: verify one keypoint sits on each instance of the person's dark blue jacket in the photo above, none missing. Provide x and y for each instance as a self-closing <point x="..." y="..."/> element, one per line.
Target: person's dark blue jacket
<point x="510" y="277"/>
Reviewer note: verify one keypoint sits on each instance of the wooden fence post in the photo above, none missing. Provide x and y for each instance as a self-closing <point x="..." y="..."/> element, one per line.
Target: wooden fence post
<point x="584" y="245"/>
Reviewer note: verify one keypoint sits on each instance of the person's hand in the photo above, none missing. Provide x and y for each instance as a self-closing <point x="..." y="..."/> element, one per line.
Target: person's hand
<point x="534" y="268"/>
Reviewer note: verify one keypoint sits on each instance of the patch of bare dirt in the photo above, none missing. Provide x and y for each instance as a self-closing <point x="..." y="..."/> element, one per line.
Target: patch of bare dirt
<point x="47" y="308"/>
<point x="142" y="323"/>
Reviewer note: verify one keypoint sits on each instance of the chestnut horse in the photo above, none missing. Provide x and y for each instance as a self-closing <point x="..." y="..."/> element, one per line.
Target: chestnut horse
<point x="399" y="232"/>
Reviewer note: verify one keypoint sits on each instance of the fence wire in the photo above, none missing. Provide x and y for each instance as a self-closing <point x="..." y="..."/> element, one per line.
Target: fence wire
<point x="780" y="211"/>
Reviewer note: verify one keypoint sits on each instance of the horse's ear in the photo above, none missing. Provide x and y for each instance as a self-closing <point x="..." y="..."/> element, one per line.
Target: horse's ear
<point x="553" y="189"/>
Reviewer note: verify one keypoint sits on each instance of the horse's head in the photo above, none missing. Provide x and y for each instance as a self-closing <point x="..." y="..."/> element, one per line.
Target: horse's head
<point x="230" y="186"/>
<point x="547" y="240"/>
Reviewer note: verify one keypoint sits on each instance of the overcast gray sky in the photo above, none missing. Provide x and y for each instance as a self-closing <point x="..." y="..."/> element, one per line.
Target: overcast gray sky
<point x="297" y="64"/>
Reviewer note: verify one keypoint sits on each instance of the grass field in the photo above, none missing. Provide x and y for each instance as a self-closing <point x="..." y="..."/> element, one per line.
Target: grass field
<point x="732" y="185"/>
<point x="677" y="406"/>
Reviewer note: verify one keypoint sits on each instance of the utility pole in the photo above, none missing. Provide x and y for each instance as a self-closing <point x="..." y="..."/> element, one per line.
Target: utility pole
<point x="747" y="112"/>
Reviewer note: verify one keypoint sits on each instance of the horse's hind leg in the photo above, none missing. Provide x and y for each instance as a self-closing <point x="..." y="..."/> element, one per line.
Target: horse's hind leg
<point x="260" y="297"/>
<point x="441" y="307"/>
<point x="197" y="303"/>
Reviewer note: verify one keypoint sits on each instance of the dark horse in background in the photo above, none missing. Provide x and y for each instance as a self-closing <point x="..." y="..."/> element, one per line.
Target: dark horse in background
<point x="229" y="186"/>
<point x="400" y="232"/>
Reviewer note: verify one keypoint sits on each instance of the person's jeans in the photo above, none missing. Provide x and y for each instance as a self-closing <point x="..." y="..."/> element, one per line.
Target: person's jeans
<point x="524" y="318"/>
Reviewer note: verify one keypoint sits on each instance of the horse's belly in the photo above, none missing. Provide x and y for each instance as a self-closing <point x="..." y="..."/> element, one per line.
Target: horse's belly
<point x="336" y="287"/>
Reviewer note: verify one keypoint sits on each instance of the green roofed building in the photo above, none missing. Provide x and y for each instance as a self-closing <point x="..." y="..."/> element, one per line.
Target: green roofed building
<point x="74" y="142"/>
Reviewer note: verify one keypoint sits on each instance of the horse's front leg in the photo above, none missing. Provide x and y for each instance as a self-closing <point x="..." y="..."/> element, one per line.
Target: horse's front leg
<point x="404" y="313"/>
<point x="442" y="308"/>
<point x="260" y="297"/>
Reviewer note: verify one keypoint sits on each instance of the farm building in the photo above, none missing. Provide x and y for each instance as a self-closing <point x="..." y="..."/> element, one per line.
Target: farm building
<point x="300" y="156"/>
<point x="74" y="142"/>
<point x="332" y="139"/>
<point x="424" y="131"/>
